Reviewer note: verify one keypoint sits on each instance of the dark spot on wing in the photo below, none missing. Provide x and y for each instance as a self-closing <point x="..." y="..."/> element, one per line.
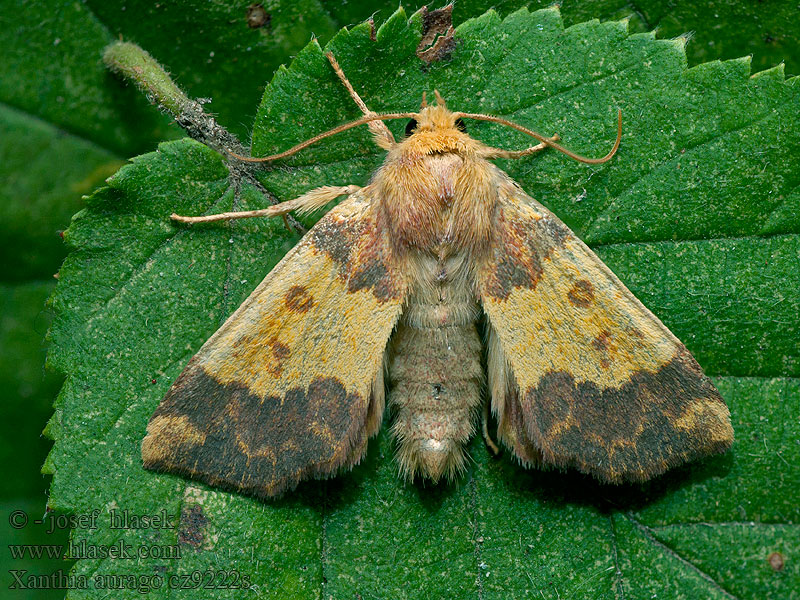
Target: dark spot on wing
<point x="511" y="272"/>
<point x="516" y="261"/>
<point x="280" y="352"/>
<point x="369" y="275"/>
<point x="269" y="349"/>
<point x="336" y="237"/>
<point x="603" y="344"/>
<point x="581" y="294"/>
<point x="522" y="246"/>
<point x="362" y="252"/>
<point x="298" y="299"/>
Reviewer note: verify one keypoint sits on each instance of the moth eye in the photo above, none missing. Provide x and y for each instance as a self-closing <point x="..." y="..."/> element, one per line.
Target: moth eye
<point x="410" y="127"/>
<point x="460" y="125"/>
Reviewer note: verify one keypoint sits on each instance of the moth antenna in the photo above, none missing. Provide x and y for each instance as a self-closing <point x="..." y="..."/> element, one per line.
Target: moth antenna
<point x="383" y="137"/>
<point x="322" y="136"/>
<point x="424" y="101"/>
<point x="439" y="100"/>
<point x="500" y="153"/>
<point x="496" y="153"/>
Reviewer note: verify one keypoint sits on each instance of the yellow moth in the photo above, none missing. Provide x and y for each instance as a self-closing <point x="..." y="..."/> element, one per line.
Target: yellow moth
<point x="381" y="304"/>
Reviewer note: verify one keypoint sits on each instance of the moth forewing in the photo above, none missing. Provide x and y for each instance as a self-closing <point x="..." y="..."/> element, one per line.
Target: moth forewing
<point x="396" y="277"/>
<point x="593" y="379"/>
<point x="283" y="391"/>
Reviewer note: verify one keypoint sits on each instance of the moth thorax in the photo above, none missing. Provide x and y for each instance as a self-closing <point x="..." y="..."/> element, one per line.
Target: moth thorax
<point x="437" y="198"/>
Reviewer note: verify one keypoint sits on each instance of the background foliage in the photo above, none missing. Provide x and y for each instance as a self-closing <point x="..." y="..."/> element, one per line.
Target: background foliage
<point x="66" y="124"/>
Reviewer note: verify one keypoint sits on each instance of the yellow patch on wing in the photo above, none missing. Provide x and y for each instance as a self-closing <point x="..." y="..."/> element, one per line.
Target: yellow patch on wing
<point x="272" y="346"/>
<point x="176" y="429"/>
<point x="283" y="390"/>
<point x="578" y="320"/>
<point x="308" y="316"/>
<point x="601" y="384"/>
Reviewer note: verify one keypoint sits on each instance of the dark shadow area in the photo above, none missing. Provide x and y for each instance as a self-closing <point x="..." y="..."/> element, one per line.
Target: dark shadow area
<point x="572" y="487"/>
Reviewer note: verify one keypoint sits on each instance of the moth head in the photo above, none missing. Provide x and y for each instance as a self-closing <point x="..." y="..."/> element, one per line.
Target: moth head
<point x="436" y="130"/>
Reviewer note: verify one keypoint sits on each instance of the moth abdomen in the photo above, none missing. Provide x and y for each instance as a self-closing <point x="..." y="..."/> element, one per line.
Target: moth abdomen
<point x="436" y="379"/>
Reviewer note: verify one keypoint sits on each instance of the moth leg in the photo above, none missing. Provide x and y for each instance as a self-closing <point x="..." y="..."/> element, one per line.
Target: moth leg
<point x="308" y="202"/>
<point x="485" y="428"/>
<point x="499" y="153"/>
<point x="383" y="137"/>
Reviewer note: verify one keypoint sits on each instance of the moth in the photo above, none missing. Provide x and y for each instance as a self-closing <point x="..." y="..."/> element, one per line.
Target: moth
<point x="439" y="279"/>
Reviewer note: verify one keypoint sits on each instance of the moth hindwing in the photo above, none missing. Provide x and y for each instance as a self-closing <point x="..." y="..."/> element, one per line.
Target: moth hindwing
<point x="393" y="281"/>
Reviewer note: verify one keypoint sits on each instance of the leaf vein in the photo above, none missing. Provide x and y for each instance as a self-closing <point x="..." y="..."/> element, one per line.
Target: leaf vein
<point x="670" y="161"/>
<point x="620" y="591"/>
<point x="473" y="492"/>
<point x="782" y="203"/>
<point x="648" y="534"/>
<point x="141" y="266"/>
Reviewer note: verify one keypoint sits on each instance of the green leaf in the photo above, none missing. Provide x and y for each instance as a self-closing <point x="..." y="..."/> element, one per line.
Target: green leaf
<point x="769" y="31"/>
<point x="37" y="199"/>
<point x="28" y="390"/>
<point x="695" y="214"/>
<point x="53" y="83"/>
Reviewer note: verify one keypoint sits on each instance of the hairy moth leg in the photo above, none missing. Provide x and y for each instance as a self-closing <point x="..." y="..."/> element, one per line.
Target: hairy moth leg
<point x="308" y="202"/>
<point x="487" y="438"/>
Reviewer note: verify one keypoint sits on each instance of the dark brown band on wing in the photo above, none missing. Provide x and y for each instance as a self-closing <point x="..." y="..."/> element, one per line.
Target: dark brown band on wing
<point x="225" y="436"/>
<point x="651" y="423"/>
